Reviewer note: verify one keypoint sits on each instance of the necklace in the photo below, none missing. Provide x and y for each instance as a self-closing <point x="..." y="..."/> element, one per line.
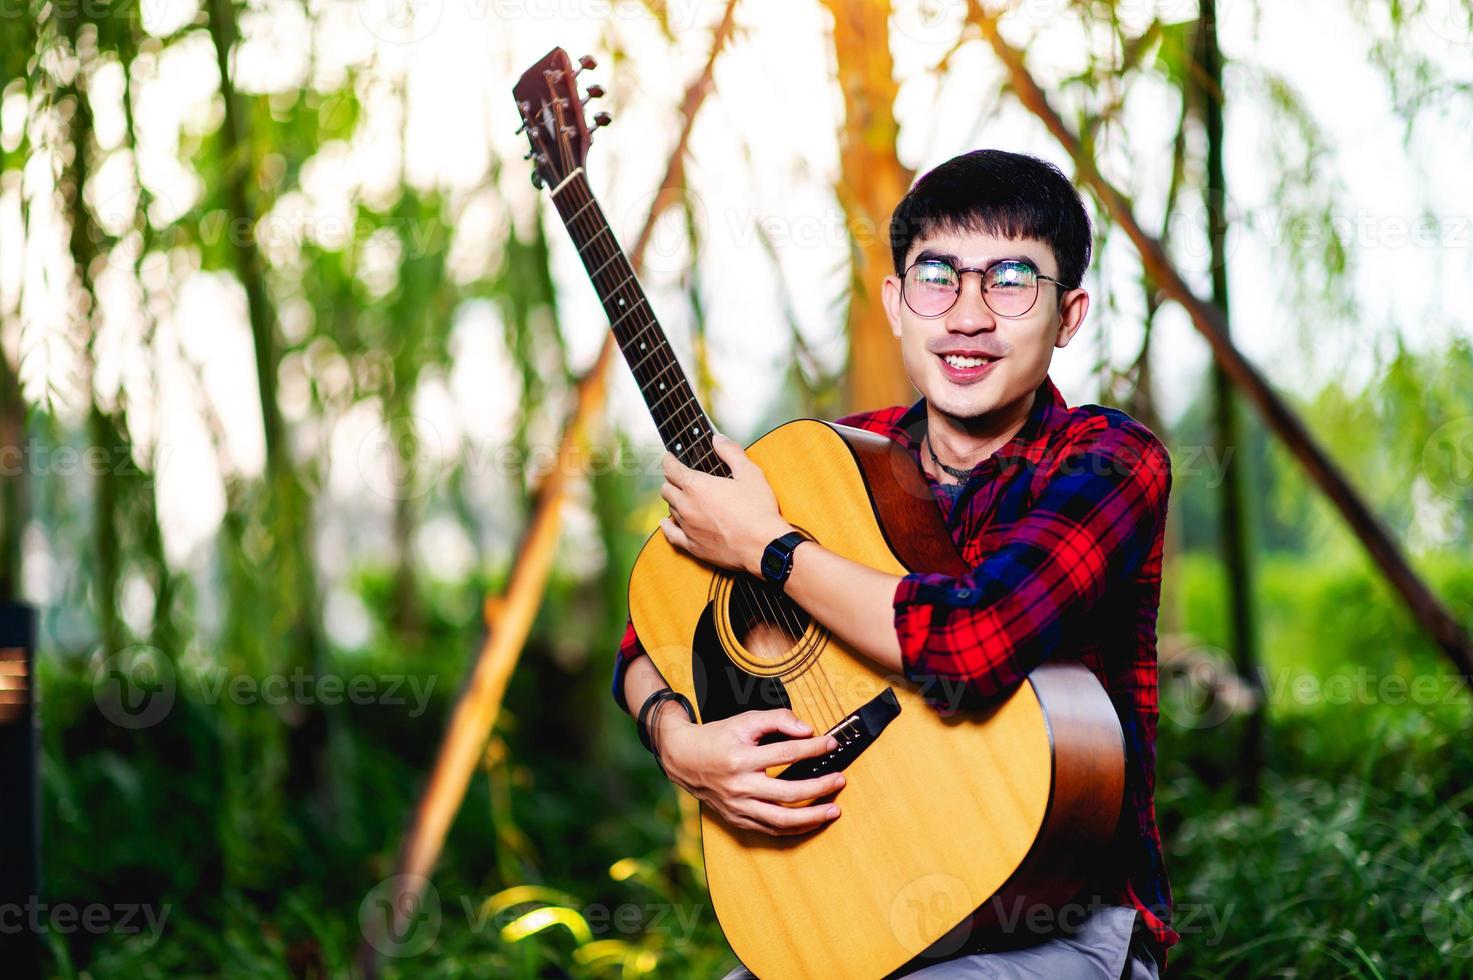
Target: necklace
<point x="962" y="475"/>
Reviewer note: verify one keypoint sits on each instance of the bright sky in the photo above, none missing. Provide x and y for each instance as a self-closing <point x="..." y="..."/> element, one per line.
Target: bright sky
<point x="763" y="152"/>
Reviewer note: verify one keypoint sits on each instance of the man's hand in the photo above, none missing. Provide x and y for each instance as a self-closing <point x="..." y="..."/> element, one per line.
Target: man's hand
<point x="721" y="764"/>
<point x="728" y="523"/>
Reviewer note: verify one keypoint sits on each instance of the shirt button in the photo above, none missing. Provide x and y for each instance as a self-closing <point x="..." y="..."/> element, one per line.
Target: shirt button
<point x="962" y="594"/>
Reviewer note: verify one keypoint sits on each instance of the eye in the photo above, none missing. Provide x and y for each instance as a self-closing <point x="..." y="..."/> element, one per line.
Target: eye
<point x="1011" y="275"/>
<point x="938" y="275"/>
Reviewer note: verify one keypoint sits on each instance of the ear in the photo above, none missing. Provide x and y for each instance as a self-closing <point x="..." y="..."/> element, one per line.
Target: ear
<point x="1071" y="317"/>
<point x="890" y="295"/>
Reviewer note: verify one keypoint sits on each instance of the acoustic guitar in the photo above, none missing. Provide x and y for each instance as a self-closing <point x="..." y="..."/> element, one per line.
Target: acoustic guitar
<point x="952" y="821"/>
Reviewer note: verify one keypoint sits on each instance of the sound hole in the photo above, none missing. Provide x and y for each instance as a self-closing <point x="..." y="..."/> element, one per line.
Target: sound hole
<point x="766" y="622"/>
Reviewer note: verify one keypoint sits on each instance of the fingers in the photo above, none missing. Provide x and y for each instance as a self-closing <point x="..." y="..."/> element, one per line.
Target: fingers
<point x="674" y="534"/>
<point x="782" y="821"/>
<point x="732" y="453"/>
<point x="795" y="790"/>
<point x="672" y="495"/>
<point x="783" y="753"/>
<point x="675" y="471"/>
<point x="759" y="723"/>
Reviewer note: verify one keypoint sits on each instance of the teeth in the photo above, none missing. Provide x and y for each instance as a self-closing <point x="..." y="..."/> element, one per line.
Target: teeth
<point x="959" y="361"/>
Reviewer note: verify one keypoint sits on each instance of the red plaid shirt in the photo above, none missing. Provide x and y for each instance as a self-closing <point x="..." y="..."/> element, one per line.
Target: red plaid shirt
<point x="1063" y="529"/>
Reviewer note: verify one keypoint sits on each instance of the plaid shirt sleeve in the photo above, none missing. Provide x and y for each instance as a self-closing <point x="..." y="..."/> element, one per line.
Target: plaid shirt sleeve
<point x="629" y="649"/>
<point x="969" y="639"/>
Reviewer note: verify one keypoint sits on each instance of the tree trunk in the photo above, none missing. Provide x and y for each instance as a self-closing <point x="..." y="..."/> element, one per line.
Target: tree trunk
<point x="1235" y="530"/>
<point x="871" y="181"/>
<point x="287" y="507"/>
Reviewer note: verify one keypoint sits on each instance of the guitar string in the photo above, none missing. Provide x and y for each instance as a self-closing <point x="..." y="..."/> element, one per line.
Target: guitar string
<point x="600" y="227"/>
<point x="756" y="602"/>
<point x="744" y="585"/>
<point x="608" y="256"/>
<point x="764" y="602"/>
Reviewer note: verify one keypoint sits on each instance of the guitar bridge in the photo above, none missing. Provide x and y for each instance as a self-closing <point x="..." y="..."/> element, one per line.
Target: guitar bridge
<point x="855" y="734"/>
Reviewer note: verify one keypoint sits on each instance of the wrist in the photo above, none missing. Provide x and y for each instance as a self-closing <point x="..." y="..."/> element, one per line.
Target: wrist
<point x="668" y="728"/>
<point x="765" y="538"/>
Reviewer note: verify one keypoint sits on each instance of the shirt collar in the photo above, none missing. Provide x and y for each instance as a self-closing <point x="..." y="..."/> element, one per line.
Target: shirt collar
<point x="1047" y="414"/>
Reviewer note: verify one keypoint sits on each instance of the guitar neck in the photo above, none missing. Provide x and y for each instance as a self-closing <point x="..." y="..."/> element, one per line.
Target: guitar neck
<point x="682" y="422"/>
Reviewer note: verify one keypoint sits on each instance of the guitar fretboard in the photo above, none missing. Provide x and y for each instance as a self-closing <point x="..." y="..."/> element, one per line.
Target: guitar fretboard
<point x="682" y="422"/>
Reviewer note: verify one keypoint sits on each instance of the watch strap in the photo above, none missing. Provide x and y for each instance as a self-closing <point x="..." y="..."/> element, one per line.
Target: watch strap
<point x="777" y="559"/>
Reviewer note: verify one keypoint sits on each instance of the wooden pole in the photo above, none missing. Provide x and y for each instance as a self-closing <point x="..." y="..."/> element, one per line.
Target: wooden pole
<point x="509" y="616"/>
<point x="1425" y="606"/>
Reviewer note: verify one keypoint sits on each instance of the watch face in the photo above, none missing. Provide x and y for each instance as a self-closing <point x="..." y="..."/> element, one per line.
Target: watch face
<point x="772" y="564"/>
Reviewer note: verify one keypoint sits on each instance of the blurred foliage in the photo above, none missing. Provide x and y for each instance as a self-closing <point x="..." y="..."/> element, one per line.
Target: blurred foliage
<point x="261" y="829"/>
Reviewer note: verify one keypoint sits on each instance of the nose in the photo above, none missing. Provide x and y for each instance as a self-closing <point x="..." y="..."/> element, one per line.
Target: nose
<point x="971" y="313"/>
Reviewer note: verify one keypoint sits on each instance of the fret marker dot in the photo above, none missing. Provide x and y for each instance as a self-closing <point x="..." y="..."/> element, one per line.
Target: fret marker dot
<point x="641" y="345"/>
<point x="677" y="445"/>
<point x="662" y="386"/>
<point x="621" y="302"/>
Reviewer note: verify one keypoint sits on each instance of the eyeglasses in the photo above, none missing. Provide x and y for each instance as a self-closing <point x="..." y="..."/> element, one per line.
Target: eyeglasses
<point x="931" y="287"/>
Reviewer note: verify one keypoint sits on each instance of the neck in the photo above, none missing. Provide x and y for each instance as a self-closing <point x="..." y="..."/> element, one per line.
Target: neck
<point x="963" y="444"/>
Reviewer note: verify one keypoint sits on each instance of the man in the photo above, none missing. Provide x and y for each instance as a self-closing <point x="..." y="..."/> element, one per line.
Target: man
<point x="1060" y="512"/>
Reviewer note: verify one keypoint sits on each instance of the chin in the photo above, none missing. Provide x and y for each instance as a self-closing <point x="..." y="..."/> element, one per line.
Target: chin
<point x="966" y="401"/>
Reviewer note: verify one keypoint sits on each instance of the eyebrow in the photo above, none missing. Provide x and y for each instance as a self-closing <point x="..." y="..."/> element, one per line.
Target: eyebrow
<point x="931" y="255"/>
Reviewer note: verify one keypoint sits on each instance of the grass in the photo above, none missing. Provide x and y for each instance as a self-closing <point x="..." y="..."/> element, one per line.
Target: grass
<point x="571" y="856"/>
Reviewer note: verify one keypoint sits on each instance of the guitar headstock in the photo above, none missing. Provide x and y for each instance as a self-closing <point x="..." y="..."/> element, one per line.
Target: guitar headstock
<point x="552" y="115"/>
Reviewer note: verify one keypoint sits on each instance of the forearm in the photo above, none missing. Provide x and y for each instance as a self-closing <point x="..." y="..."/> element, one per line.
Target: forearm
<point x="853" y="600"/>
<point x="641" y="679"/>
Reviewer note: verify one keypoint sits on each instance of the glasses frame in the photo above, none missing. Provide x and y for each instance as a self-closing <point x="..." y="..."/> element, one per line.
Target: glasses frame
<point x="1037" y="276"/>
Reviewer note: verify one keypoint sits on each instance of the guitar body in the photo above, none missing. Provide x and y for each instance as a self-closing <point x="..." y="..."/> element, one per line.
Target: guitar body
<point x="940" y="812"/>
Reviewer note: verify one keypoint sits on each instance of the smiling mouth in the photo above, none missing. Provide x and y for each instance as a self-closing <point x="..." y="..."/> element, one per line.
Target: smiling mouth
<point x="963" y="361"/>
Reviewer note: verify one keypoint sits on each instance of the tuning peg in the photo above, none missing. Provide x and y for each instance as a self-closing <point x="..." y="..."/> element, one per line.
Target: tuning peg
<point x="594" y="92"/>
<point x="537" y="179"/>
<point x="584" y="63"/>
<point x="601" y="119"/>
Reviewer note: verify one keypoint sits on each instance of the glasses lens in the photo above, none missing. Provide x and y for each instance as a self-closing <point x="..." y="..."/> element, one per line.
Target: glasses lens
<point x="931" y="288"/>
<point x="1011" y="288"/>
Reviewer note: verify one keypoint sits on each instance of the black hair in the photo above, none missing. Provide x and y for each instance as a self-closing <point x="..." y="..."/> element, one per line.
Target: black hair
<point x="1010" y="195"/>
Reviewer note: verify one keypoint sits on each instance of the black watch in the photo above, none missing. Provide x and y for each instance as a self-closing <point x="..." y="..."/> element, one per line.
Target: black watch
<point x="777" y="560"/>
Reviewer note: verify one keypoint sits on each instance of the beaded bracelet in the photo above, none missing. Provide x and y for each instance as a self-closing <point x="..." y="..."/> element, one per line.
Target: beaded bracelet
<point x="650" y="704"/>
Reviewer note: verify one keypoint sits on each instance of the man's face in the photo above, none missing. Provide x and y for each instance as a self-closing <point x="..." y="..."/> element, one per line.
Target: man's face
<point x="940" y="352"/>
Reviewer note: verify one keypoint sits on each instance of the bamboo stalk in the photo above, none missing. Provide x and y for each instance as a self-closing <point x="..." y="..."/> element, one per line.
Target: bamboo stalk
<point x="1424" y="604"/>
<point x="509" y="616"/>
